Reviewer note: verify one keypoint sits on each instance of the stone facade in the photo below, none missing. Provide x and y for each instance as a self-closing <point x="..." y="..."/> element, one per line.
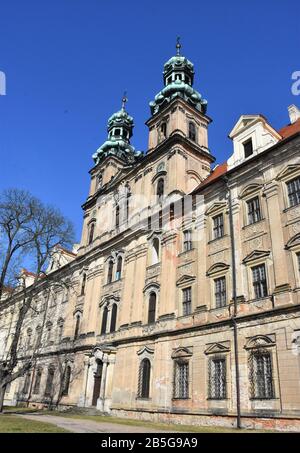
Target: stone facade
<point x="147" y="327"/>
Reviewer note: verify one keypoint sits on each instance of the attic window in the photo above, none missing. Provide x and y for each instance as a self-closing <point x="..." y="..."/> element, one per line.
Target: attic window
<point x="248" y="148"/>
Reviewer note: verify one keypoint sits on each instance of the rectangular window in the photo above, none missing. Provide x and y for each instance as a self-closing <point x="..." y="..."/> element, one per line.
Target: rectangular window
<point x="187" y="240"/>
<point x="254" y="214"/>
<point x="262" y="381"/>
<point x="248" y="148"/>
<point x="217" y="378"/>
<point x="181" y="380"/>
<point x="259" y="281"/>
<point x="220" y="292"/>
<point x="293" y="188"/>
<point x="218" y="226"/>
<point x="187" y="301"/>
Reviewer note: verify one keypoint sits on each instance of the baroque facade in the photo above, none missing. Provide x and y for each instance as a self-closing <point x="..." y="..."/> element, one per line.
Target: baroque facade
<point x="185" y="274"/>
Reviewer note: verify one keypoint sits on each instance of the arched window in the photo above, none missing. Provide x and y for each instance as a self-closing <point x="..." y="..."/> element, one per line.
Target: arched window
<point x="172" y="212"/>
<point x="144" y="379"/>
<point x="104" y="320"/>
<point x="155" y="250"/>
<point x="117" y="216"/>
<point x="66" y="380"/>
<point x="38" y="336"/>
<point x="151" y="308"/>
<point x="192" y="131"/>
<point x="99" y="181"/>
<point x="110" y="271"/>
<point x="128" y="195"/>
<point x="49" y="382"/>
<point x="37" y="382"/>
<point x="77" y="325"/>
<point x="113" y="320"/>
<point x="27" y="382"/>
<point x="82" y="291"/>
<point x="160" y="187"/>
<point x="119" y="268"/>
<point x="60" y="328"/>
<point x="163" y="130"/>
<point x="91" y="233"/>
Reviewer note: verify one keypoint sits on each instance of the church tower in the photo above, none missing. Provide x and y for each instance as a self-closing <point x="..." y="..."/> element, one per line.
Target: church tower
<point x="179" y="123"/>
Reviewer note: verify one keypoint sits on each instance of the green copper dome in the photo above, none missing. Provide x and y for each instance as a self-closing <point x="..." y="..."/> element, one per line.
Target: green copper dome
<point x="119" y="127"/>
<point x="178" y="79"/>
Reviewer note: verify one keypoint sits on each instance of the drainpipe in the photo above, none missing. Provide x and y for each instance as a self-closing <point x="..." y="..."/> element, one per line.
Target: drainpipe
<point x="234" y="315"/>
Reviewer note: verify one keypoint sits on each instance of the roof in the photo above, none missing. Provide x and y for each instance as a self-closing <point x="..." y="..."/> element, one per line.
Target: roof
<point x="290" y="129"/>
<point x="220" y="170"/>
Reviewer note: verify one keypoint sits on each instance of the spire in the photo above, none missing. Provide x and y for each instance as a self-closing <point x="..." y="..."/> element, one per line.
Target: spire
<point x="178" y="46"/>
<point x="124" y="100"/>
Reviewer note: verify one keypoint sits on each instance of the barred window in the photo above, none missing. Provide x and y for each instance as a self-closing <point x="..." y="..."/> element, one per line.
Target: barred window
<point x="26" y="383"/>
<point x="144" y="379"/>
<point x="49" y="382"/>
<point x="217" y="378"/>
<point x="187" y="240"/>
<point x="220" y="292"/>
<point x="181" y="379"/>
<point x="259" y="281"/>
<point x="293" y="188"/>
<point x="218" y="226"/>
<point x="186" y="301"/>
<point x="66" y="380"/>
<point x="261" y="375"/>
<point x="37" y="382"/>
<point x="254" y="214"/>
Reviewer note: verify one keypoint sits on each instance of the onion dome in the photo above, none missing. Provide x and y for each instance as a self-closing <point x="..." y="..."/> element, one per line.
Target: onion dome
<point x="178" y="80"/>
<point x="119" y="127"/>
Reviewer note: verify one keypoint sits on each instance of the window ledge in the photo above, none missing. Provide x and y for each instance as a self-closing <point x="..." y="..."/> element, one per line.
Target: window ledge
<point x="254" y="223"/>
<point x="217" y="239"/>
<point x="289" y="208"/>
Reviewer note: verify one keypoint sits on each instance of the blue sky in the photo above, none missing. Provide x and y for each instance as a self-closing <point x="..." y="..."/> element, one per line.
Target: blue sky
<point x="67" y="63"/>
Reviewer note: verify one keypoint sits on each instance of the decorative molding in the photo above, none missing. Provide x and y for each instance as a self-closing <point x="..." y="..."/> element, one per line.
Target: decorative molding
<point x="293" y="241"/>
<point x="218" y="348"/>
<point x="288" y="171"/>
<point x="260" y="341"/>
<point x="181" y="352"/>
<point x="185" y="279"/>
<point x="145" y="350"/>
<point x="218" y="206"/>
<point x="256" y="255"/>
<point x="250" y="189"/>
<point x="217" y="267"/>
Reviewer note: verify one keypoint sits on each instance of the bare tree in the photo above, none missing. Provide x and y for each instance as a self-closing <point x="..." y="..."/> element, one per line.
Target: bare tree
<point x="30" y="230"/>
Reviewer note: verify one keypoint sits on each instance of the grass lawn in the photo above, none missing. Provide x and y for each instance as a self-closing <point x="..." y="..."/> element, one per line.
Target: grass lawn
<point x="158" y="426"/>
<point x="13" y="424"/>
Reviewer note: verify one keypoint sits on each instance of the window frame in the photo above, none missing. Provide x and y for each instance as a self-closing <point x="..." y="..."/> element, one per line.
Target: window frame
<point x="254" y="219"/>
<point x="186" y="302"/>
<point x="211" y="392"/>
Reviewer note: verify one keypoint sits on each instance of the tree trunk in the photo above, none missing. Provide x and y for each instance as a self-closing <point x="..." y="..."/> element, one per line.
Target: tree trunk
<point x="2" y="393"/>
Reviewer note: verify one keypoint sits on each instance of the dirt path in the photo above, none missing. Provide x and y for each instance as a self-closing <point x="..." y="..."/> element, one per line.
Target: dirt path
<point x="77" y="425"/>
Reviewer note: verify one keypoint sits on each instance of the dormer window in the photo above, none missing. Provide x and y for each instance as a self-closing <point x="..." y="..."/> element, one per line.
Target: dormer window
<point x="248" y="148"/>
<point x="192" y="131"/>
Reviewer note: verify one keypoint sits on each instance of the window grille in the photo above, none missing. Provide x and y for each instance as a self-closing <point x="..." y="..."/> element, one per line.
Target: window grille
<point x="181" y="380"/>
<point x="217" y="378"/>
<point x="261" y="375"/>
<point x="144" y="379"/>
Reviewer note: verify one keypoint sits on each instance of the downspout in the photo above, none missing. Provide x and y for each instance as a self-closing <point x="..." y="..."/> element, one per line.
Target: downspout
<point x="234" y="315"/>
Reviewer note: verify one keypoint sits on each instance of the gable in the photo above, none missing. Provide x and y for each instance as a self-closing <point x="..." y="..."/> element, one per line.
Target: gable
<point x="256" y="255"/>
